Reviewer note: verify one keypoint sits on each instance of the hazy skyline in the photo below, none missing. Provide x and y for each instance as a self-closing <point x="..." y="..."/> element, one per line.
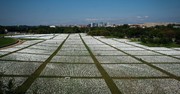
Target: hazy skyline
<point x="56" y="12"/>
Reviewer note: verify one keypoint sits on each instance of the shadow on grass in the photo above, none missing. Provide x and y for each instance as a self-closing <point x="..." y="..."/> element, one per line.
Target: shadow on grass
<point x="7" y="88"/>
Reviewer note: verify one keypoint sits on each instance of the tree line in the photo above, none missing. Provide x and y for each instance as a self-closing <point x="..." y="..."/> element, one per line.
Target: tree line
<point x="41" y="29"/>
<point x="157" y="34"/>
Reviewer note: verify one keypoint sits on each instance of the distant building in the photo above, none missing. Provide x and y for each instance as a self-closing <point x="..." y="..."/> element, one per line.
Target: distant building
<point x="52" y="26"/>
<point x="101" y="24"/>
<point x="91" y="25"/>
<point x="94" y="25"/>
<point x="135" y="26"/>
<point x="176" y="26"/>
<point x="153" y="24"/>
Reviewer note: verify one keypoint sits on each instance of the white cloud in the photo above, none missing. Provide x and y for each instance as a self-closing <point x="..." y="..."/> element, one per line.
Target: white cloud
<point x="99" y="19"/>
<point x="142" y="17"/>
<point x="91" y="19"/>
<point x="139" y="17"/>
<point x="146" y="16"/>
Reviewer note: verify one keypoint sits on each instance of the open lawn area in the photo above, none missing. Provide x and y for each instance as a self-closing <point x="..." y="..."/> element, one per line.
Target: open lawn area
<point x="7" y="41"/>
<point x="169" y="45"/>
<point x="81" y="64"/>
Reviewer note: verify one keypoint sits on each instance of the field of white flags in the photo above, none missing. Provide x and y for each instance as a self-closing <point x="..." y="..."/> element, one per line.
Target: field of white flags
<point x="82" y="64"/>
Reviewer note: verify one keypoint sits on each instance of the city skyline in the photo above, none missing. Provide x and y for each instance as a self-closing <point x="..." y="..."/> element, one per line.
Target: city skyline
<point x="57" y="12"/>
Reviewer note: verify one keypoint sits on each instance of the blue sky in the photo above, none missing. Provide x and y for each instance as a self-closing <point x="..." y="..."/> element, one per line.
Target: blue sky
<point x="55" y="12"/>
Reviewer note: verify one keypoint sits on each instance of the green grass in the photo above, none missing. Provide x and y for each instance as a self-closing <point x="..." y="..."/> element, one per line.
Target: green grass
<point x="1" y="35"/>
<point x="134" y="40"/>
<point x="169" y="45"/>
<point x="110" y="83"/>
<point x="7" y="41"/>
<point x="26" y="85"/>
<point x="29" y="39"/>
<point x="109" y="37"/>
<point x="113" y="37"/>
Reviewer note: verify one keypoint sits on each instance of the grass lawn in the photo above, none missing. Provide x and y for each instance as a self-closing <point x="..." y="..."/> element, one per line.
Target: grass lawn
<point x="1" y="35"/>
<point x="29" y="39"/>
<point x="169" y="45"/>
<point x="7" y="41"/>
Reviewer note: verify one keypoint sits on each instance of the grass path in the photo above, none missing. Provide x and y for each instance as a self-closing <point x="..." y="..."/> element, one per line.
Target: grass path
<point x="147" y="49"/>
<point x="20" y="49"/>
<point x="110" y="83"/>
<point x="25" y="86"/>
<point x="149" y="64"/>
